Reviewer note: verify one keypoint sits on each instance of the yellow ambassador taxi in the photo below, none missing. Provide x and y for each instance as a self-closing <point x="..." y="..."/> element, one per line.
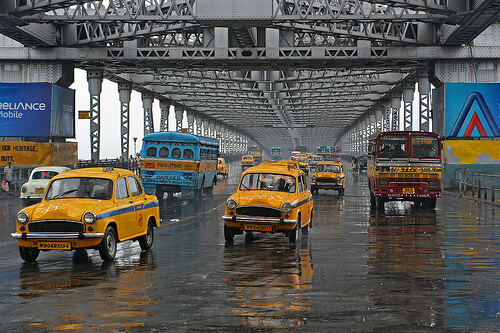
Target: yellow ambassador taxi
<point x="328" y="175"/>
<point x="222" y="168"/>
<point x="247" y="161"/>
<point x="271" y="197"/>
<point x="92" y="208"/>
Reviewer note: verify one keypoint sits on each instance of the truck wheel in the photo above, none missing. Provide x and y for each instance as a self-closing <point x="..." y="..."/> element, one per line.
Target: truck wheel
<point x="29" y="254"/>
<point x="107" y="248"/>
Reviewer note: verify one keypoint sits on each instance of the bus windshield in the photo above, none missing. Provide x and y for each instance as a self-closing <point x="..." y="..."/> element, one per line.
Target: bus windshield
<point x="423" y="146"/>
<point x="393" y="146"/>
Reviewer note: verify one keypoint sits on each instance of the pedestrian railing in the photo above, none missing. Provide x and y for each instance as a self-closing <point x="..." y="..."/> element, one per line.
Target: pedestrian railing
<point x="480" y="185"/>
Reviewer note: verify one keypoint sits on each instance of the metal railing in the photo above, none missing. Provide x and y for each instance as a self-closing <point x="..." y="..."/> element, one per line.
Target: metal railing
<point x="480" y="185"/>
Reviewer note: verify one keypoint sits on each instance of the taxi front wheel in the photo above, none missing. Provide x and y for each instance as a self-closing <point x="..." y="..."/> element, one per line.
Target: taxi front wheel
<point x="146" y="241"/>
<point x="29" y="254"/>
<point x="107" y="248"/>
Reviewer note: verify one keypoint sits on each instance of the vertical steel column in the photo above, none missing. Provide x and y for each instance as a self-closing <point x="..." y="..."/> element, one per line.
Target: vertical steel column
<point x="408" y="92"/>
<point x="211" y="126"/>
<point x="379" y="118"/>
<point x="218" y="136"/>
<point x="387" y="117"/>
<point x="165" y="113"/>
<point x="205" y="127"/>
<point x="424" y="89"/>
<point x="94" y="78"/>
<point x="190" y="120"/>
<point x="199" y="125"/>
<point x="147" y="105"/>
<point x="179" y="113"/>
<point x="395" y="105"/>
<point x="124" y="90"/>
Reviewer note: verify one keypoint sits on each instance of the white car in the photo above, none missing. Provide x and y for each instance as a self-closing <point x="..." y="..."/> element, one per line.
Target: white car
<point x="33" y="190"/>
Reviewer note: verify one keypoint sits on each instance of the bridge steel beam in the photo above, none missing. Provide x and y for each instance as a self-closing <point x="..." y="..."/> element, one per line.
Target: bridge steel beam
<point x="147" y="105"/>
<point x="165" y="113"/>
<point x="408" y="92"/>
<point x="124" y="91"/>
<point x="94" y="79"/>
<point x="179" y="114"/>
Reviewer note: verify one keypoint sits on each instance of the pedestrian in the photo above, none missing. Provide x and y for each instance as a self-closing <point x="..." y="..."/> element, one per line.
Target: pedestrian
<point x="8" y="176"/>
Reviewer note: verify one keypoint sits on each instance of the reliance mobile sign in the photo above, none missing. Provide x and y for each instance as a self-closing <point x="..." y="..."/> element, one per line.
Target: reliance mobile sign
<point x="26" y="110"/>
<point x="471" y="110"/>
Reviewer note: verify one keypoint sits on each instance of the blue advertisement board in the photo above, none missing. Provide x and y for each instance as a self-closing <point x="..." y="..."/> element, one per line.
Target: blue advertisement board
<point x="63" y="113"/>
<point x="36" y="110"/>
<point x="472" y="110"/>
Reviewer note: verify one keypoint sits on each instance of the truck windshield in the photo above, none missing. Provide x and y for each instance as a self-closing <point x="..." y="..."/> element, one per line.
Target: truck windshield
<point x="424" y="146"/>
<point x="393" y="146"/>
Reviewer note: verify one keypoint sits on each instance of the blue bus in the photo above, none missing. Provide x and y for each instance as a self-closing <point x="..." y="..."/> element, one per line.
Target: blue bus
<point x="173" y="162"/>
<point x="276" y="153"/>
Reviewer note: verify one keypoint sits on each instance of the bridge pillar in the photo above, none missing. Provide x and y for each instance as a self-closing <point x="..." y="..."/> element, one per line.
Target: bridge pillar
<point x="94" y="79"/>
<point x="124" y="91"/>
<point x="165" y="112"/>
<point x="424" y="89"/>
<point x="218" y="135"/>
<point x="387" y="116"/>
<point x="211" y="126"/>
<point x="205" y="127"/>
<point x="379" y="118"/>
<point x="147" y="105"/>
<point x="395" y="106"/>
<point x="408" y="92"/>
<point x="190" y="120"/>
<point x="179" y="113"/>
<point x="199" y="126"/>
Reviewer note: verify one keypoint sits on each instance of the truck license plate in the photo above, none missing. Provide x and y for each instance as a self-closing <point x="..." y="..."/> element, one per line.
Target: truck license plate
<point x="408" y="190"/>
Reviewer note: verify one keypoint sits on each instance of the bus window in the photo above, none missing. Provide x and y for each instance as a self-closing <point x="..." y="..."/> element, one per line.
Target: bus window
<point x="176" y="153"/>
<point x="393" y="146"/>
<point x="151" y="152"/>
<point x="164" y="152"/>
<point x="188" y="154"/>
<point x="424" y="146"/>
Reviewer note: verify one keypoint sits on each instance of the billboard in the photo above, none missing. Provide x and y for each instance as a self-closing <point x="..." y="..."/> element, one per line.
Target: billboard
<point x="36" y="110"/>
<point x="24" y="153"/>
<point x="468" y="110"/>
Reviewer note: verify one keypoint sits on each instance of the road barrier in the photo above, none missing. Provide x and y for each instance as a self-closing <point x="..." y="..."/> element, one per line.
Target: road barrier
<point x="482" y="186"/>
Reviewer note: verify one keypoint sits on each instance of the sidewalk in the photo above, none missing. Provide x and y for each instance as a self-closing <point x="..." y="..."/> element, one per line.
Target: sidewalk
<point x="468" y="196"/>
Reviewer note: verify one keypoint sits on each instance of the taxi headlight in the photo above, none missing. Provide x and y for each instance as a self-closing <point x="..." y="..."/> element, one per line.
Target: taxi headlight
<point x="22" y="217"/>
<point x="313" y="177"/>
<point x="89" y="217"/>
<point x="287" y="207"/>
<point x="338" y="179"/>
<point x="231" y="204"/>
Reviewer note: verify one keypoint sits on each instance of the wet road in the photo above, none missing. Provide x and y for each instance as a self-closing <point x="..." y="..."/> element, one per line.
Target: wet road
<point x="357" y="270"/>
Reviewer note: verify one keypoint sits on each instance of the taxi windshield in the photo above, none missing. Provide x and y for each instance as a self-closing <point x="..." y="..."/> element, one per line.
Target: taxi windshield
<point x="328" y="168"/>
<point x="80" y="187"/>
<point x="268" y="182"/>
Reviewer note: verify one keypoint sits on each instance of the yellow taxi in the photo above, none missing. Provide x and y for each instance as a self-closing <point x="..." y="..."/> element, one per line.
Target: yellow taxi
<point x="303" y="163"/>
<point x="92" y="208"/>
<point x="328" y="175"/>
<point x="271" y="197"/>
<point x="222" y="168"/>
<point x="247" y="161"/>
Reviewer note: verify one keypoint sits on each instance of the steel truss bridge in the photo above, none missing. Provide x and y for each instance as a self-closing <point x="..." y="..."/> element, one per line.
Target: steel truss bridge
<point x="258" y="72"/>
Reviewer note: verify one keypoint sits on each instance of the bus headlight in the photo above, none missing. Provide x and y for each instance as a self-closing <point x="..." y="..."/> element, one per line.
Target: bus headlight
<point x="433" y="182"/>
<point x="287" y="207"/>
<point x="383" y="182"/>
<point x="22" y="217"/>
<point x="89" y="217"/>
<point x="231" y="204"/>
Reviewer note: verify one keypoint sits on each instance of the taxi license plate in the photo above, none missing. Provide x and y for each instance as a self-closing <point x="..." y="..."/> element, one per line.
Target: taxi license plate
<point x="409" y="190"/>
<point x="258" y="227"/>
<point x="54" y="245"/>
<point x="39" y="190"/>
